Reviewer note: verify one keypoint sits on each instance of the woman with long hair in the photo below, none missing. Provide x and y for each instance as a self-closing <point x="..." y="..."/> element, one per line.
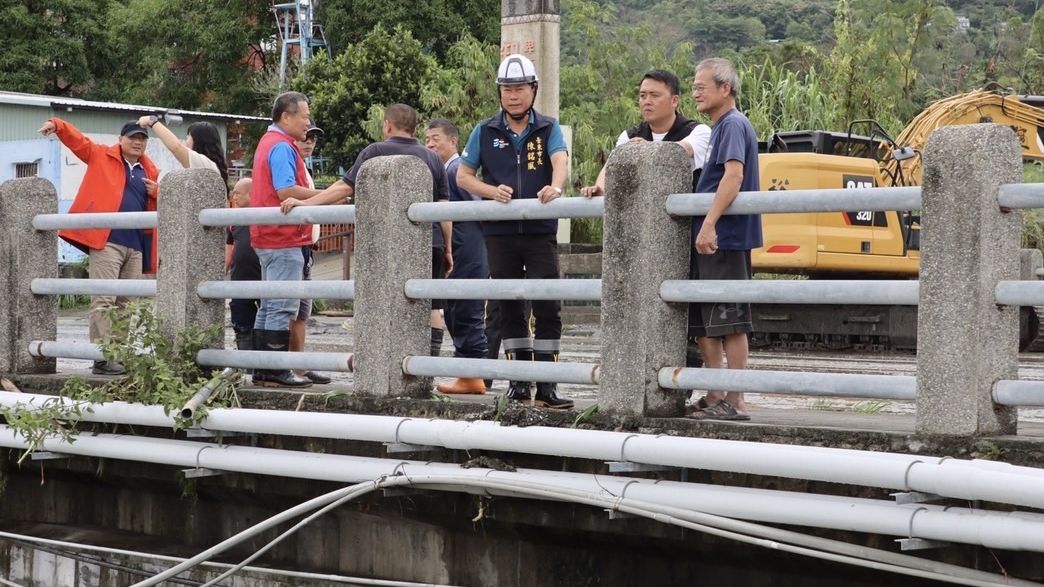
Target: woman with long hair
<point x="200" y="149"/>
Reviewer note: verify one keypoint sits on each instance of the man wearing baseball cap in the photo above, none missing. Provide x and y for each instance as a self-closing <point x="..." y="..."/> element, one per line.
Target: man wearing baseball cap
<point x="119" y="178"/>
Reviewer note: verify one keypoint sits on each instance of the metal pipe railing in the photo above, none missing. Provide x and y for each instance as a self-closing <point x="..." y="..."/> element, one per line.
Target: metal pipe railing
<point x="121" y="220"/>
<point x="1021" y="195"/>
<point x="1018" y="393"/>
<point x="340" y="214"/>
<point x="579" y="373"/>
<point x="898" y="292"/>
<point x="514" y="210"/>
<point x="94" y="287"/>
<point x="251" y="290"/>
<point x="801" y="201"/>
<point x="62" y="349"/>
<point x="343" y="362"/>
<point x="894" y="387"/>
<point x="505" y="289"/>
<point x="1019" y="293"/>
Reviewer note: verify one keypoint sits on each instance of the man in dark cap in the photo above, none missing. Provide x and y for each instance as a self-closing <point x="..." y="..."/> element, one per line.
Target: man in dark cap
<point x="119" y="178"/>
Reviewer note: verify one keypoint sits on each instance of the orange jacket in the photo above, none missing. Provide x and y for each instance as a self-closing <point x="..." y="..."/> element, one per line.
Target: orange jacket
<point x="102" y="189"/>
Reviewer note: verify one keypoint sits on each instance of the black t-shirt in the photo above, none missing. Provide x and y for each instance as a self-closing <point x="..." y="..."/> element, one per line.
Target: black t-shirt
<point x="245" y="265"/>
<point x="408" y="146"/>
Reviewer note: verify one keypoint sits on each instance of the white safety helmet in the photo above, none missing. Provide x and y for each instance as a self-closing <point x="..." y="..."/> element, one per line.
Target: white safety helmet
<point x="516" y="70"/>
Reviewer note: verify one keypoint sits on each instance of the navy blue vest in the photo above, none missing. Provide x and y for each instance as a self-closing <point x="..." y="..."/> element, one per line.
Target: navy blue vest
<point x="526" y="170"/>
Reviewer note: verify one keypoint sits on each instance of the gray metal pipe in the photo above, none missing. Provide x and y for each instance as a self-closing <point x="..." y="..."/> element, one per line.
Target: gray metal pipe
<point x="1018" y="393"/>
<point x="341" y="214"/>
<point x="94" y="287"/>
<point x="1019" y="293"/>
<point x="514" y="210"/>
<point x="123" y="220"/>
<point x="895" y="387"/>
<point x="792" y="291"/>
<point x="580" y="373"/>
<point x="204" y="393"/>
<point x="343" y="362"/>
<point x="250" y="290"/>
<point x="505" y="289"/>
<point x="802" y="201"/>
<point x="63" y="349"/>
<point x="1021" y="195"/>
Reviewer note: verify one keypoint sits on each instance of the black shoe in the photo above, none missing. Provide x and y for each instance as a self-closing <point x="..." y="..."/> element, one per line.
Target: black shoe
<point x="277" y="340"/>
<point x="547" y="397"/>
<point x="316" y="378"/>
<point x="108" y="368"/>
<point x="518" y="391"/>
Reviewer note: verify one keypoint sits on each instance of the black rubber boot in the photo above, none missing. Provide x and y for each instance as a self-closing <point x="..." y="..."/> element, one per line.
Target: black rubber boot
<point x="520" y="391"/>
<point x="279" y="340"/>
<point x="437" y="335"/>
<point x="245" y="342"/>
<point x="547" y="393"/>
<point x="257" y="343"/>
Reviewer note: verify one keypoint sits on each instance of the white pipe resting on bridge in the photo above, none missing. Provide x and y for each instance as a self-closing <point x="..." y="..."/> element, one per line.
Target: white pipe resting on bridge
<point x="1018" y="393"/>
<point x="343" y="362"/>
<point x="514" y="210"/>
<point x="94" y="287"/>
<point x="231" y="290"/>
<point x="579" y="373"/>
<point x="64" y="349"/>
<point x="970" y="480"/>
<point x="120" y="220"/>
<point x="1021" y="195"/>
<point x="340" y="214"/>
<point x="802" y="201"/>
<point x="786" y="291"/>
<point x="896" y="387"/>
<point x="505" y="289"/>
<point x="1019" y="293"/>
<point x="994" y="530"/>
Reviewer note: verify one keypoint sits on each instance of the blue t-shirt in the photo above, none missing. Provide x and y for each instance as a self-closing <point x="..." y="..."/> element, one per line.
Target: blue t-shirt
<point x="134" y="197"/>
<point x="471" y="154"/>
<point x="732" y="139"/>
<point x="282" y="161"/>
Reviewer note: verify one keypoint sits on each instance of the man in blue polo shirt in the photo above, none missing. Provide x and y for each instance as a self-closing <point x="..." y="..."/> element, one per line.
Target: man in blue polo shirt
<point x="522" y="154"/>
<point x="723" y="242"/>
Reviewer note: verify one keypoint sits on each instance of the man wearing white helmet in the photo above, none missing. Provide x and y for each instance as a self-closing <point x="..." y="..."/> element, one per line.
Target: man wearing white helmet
<point x="522" y="155"/>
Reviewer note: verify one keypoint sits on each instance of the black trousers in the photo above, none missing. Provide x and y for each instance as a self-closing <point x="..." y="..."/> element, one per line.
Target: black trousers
<point x="526" y="257"/>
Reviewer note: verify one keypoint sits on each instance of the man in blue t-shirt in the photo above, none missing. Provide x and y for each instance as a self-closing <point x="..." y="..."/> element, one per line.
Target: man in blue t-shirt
<point x="723" y="242"/>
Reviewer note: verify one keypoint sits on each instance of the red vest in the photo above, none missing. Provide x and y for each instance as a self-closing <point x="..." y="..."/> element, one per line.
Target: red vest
<point x="263" y="195"/>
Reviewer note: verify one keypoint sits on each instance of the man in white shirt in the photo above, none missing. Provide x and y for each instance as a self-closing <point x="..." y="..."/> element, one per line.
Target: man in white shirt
<point x="658" y="98"/>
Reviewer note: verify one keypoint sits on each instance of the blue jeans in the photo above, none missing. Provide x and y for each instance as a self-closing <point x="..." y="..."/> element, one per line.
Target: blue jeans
<point x="279" y="265"/>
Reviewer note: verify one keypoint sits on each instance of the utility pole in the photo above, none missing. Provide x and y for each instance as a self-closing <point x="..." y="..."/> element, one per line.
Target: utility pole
<point x="298" y="26"/>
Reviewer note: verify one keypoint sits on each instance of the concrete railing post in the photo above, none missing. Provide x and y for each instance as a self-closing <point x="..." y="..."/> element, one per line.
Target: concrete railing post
<point x="965" y="341"/>
<point x="390" y="249"/>
<point x="189" y="252"/>
<point x="642" y="247"/>
<point x="26" y="254"/>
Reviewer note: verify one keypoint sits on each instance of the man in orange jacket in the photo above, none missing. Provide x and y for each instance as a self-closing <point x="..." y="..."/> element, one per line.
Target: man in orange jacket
<point x="119" y="178"/>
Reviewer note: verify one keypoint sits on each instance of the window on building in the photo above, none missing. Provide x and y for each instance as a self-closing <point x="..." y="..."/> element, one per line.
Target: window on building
<point x="26" y="169"/>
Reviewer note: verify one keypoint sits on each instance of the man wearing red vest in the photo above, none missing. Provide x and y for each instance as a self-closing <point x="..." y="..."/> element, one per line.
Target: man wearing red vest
<point x="120" y="178"/>
<point x="279" y="173"/>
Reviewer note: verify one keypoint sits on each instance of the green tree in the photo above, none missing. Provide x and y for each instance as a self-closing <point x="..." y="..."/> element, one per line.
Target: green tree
<point x="54" y="47"/>
<point x="384" y="68"/>
<point x="436" y="24"/>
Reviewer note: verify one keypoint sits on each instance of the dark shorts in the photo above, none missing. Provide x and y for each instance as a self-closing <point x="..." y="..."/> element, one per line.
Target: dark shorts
<point x="722" y="319"/>
<point x="437" y="263"/>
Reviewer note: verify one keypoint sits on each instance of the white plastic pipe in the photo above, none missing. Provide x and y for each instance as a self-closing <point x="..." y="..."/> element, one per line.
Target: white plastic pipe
<point x="832" y="512"/>
<point x="972" y="480"/>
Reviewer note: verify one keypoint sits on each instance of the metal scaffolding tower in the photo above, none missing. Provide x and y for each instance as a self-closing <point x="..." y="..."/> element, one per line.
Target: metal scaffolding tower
<point x="298" y="26"/>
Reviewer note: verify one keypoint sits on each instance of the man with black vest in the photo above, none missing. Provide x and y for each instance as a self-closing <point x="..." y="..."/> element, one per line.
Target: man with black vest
<point x="522" y="155"/>
<point x="658" y="97"/>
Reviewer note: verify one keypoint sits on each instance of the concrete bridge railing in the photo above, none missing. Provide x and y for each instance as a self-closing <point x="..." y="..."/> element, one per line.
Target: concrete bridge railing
<point x="968" y="294"/>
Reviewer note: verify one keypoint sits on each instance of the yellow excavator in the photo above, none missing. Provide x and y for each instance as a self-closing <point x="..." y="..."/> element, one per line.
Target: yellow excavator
<point x="863" y="244"/>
